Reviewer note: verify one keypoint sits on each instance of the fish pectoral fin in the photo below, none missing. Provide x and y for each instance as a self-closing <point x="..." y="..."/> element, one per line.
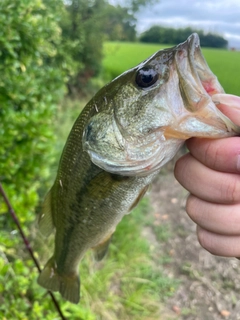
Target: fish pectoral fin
<point x="139" y="198"/>
<point x="67" y="285"/>
<point x="101" y="249"/>
<point x="45" y="221"/>
<point x="173" y="133"/>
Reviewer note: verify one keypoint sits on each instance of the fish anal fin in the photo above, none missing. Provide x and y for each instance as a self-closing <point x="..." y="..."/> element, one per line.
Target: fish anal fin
<point x="49" y="278"/>
<point x="101" y="249"/>
<point x="45" y="220"/>
<point x="67" y="284"/>
<point x="139" y="197"/>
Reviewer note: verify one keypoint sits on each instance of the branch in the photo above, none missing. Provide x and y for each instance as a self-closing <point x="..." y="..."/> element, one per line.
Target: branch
<point x="28" y="246"/>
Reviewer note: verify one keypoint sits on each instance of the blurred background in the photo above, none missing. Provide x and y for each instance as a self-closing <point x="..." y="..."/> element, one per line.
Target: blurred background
<point x="54" y="55"/>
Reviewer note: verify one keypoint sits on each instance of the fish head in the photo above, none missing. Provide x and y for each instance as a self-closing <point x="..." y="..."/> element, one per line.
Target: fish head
<point x="149" y="111"/>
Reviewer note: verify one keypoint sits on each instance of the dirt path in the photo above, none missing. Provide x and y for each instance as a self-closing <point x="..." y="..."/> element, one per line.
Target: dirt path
<point x="210" y="286"/>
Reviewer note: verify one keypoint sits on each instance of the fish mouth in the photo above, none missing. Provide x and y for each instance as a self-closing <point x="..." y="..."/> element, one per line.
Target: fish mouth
<point x="198" y="86"/>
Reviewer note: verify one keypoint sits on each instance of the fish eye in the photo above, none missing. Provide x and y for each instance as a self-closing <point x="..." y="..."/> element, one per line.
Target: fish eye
<point x="146" y="77"/>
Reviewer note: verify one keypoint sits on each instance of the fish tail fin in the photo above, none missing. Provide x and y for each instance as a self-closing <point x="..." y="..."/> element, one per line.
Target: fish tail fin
<point x="45" y="220"/>
<point x="101" y="249"/>
<point x="67" y="285"/>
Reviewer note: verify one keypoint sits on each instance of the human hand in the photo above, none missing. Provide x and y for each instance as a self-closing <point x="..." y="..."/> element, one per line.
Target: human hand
<point x="211" y="173"/>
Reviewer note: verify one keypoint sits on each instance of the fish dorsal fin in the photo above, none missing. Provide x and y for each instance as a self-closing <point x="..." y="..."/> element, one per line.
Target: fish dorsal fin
<point x="101" y="249"/>
<point x="45" y="221"/>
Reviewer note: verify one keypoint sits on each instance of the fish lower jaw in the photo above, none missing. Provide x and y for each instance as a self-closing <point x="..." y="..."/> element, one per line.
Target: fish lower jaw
<point x="131" y="166"/>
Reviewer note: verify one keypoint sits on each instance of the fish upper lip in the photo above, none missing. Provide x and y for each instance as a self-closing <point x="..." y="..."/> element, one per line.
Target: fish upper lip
<point x="195" y="70"/>
<point x="191" y="43"/>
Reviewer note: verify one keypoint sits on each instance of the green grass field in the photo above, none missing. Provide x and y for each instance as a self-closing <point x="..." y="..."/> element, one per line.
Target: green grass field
<point x="120" y="56"/>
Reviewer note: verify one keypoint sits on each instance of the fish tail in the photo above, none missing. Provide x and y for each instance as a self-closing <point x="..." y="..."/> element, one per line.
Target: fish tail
<point x="67" y="285"/>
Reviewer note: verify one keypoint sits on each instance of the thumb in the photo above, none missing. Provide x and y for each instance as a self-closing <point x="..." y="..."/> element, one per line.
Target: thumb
<point x="229" y="105"/>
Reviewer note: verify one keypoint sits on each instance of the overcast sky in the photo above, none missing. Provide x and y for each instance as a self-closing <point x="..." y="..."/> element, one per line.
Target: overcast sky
<point x="218" y="16"/>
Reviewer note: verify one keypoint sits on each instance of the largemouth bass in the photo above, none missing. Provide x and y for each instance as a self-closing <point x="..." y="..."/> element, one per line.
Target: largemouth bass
<point x="124" y="135"/>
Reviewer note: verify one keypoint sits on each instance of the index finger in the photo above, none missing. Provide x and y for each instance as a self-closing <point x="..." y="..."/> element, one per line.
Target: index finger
<point x="222" y="154"/>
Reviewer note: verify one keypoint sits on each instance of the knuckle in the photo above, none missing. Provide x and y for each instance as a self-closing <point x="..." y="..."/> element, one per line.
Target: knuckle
<point x="192" y="208"/>
<point x="180" y="163"/>
<point x="202" y="237"/>
<point x="178" y="169"/>
<point x="181" y="167"/>
<point x="230" y="190"/>
<point x="211" y="155"/>
<point x="206" y="241"/>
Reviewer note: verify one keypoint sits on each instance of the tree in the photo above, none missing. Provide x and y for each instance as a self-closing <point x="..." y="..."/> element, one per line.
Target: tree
<point x="85" y="25"/>
<point x="159" y="34"/>
<point x="120" y="20"/>
<point x="82" y="37"/>
<point x="135" y="5"/>
<point x="213" y="40"/>
<point x="119" y="24"/>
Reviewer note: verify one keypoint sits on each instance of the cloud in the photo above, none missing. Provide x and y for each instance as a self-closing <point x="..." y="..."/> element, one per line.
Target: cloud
<point x="215" y="16"/>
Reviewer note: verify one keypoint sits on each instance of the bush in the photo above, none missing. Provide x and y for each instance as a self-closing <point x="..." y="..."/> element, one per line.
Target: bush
<point x="31" y="84"/>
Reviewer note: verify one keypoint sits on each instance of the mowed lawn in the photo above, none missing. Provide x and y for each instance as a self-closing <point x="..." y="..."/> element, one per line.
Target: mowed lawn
<point x="121" y="56"/>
